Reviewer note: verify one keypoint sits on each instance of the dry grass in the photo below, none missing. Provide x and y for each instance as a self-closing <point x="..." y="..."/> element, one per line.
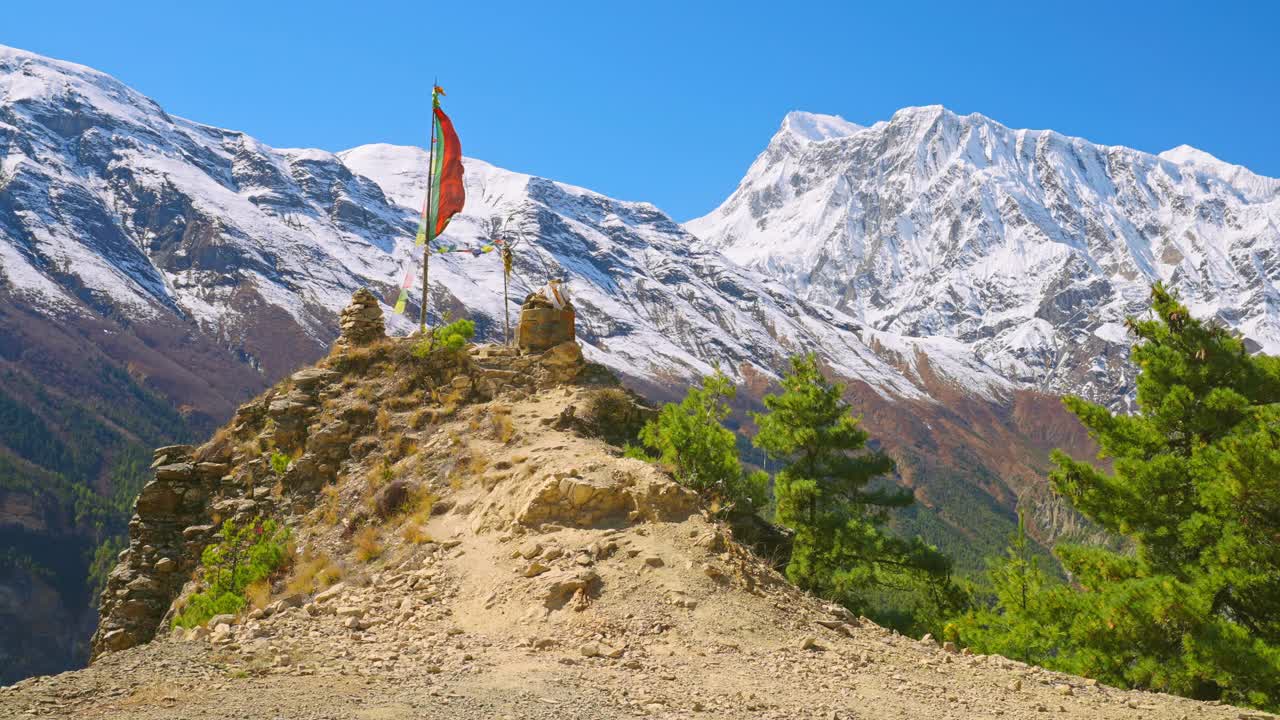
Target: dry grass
<point x="258" y="594"/>
<point x="476" y="462"/>
<point x="399" y="447"/>
<point x="420" y="505"/>
<point x="421" y="418"/>
<point x="418" y="514"/>
<point x="380" y="474"/>
<point x="313" y="573"/>
<point x="501" y="425"/>
<point x="249" y="449"/>
<point x="329" y="504"/>
<point x="469" y="463"/>
<point x="365" y="392"/>
<point x="383" y="421"/>
<point x="415" y="534"/>
<point x="360" y="408"/>
<point x="405" y="396"/>
<point x="449" y="400"/>
<point x="367" y="544"/>
<point x="218" y="446"/>
<point x="164" y="695"/>
<point x="362" y="358"/>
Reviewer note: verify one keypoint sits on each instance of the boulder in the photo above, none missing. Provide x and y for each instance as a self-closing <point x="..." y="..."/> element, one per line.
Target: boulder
<point x="392" y="498"/>
<point x="563" y="362"/>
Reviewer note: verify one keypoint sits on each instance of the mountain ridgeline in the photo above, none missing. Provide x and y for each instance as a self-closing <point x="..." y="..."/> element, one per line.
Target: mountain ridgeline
<point x="955" y="274"/>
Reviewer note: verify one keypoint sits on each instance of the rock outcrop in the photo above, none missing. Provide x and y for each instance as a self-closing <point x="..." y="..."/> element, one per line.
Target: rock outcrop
<point x="168" y="531"/>
<point x="281" y="449"/>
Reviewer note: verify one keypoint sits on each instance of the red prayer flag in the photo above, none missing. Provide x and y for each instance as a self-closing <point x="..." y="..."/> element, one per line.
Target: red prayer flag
<point x="449" y="193"/>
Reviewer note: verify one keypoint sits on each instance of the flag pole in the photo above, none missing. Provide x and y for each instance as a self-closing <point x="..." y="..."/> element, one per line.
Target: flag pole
<point x="430" y="229"/>
<point x="506" y="301"/>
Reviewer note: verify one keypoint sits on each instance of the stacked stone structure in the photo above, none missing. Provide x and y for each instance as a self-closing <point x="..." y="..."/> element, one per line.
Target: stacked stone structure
<point x="361" y="322"/>
<point x="169" y="529"/>
<point x="543" y="326"/>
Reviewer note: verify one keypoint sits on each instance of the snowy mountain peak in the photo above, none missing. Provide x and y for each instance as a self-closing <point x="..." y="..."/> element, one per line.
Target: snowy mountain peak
<point x="1238" y="176"/>
<point x="812" y="127"/>
<point x="1187" y="155"/>
<point x="1029" y="246"/>
<point x="400" y="170"/>
<point x="113" y="209"/>
<point x="927" y="113"/>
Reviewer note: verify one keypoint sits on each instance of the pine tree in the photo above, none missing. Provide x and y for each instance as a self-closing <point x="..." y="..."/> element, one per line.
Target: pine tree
<point x="1023" y="620"/>
<point x="1195" y="608"/>
<point x="822" y="493"/>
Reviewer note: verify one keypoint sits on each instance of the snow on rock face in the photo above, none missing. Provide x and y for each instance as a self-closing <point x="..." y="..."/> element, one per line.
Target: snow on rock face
<point x="938" y="224"/>
<point x="112" y="207"/>
<point x="124" y="207"/>
<point x="649" y="303"/>
<point x="1003" y="258"/>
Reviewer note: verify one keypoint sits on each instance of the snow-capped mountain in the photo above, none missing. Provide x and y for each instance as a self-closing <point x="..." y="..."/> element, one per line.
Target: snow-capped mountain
<point x="111" y="206"/>
<point x="1027" y="246"/>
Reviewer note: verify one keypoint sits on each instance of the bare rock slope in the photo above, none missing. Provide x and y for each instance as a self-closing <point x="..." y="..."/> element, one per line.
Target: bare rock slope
<point x="465" y="545"/>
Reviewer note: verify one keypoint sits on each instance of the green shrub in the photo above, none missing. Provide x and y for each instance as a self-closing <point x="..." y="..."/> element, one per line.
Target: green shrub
<point x="691" y="439"/>
<point x="451" y="337"/>
<point x="613" y="416"/>
<point x="244" y="554"/>
<point x="279" y="463"/>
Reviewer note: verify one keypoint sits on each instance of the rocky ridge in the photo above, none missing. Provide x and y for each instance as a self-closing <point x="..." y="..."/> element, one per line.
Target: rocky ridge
<point x="156" y="272"/>
<point x="528" y="571"/>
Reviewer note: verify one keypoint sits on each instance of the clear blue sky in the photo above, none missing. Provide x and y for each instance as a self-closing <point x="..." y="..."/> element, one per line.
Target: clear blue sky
<point x="670" y="102"/>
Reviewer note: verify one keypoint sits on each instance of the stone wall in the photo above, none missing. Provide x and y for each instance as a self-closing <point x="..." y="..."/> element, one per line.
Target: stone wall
<point x="194" y="491"/>
<point x="168" y="531"/>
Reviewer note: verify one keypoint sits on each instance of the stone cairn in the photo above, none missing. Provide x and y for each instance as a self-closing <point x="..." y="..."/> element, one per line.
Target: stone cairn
<point x="542" y="326"/>
<point x="361" y="321"/>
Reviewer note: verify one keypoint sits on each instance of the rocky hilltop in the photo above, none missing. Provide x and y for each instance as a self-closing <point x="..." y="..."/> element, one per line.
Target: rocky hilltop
<point x="467" y="542"/>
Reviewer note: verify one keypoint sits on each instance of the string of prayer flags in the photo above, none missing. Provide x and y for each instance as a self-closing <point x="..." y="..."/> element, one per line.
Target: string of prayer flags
<point x="404" y="292"/>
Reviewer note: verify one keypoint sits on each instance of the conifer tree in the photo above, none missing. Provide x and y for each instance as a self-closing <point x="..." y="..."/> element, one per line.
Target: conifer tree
<point x="690" y="437"/>
<point x="1195" y="609"/>
<point x="1023" y="621"/>
<point x="823" y="494"/>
